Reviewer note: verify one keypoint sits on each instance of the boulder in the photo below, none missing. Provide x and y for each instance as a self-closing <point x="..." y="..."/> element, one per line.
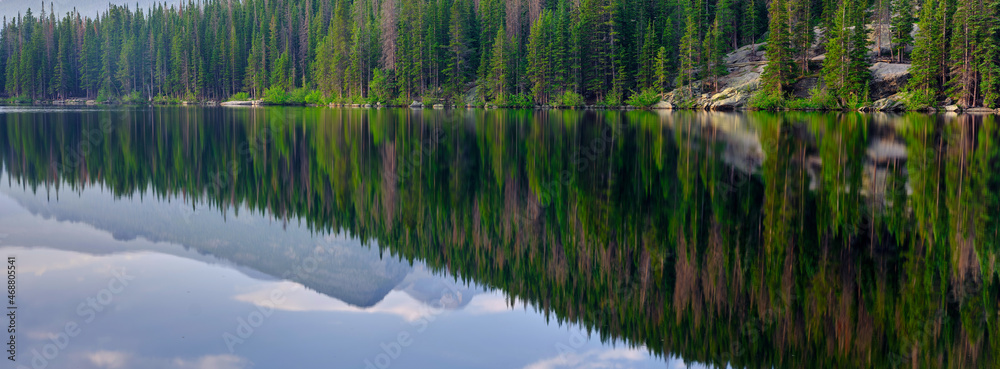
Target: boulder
<point x="438" y="106"/>
<point x="888" y="79"/>
<point x="980" y="110"/>
<point x="663" y="105"/>
<point x="952" y="108"/>
<point x="416" y="104"/>
<point x="736" y="101"/>
<point x="890" y="103"/>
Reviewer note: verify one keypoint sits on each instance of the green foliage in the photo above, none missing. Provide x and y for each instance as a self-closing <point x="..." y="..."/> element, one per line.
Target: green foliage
<point x="902" y="26"/>
<point x="517" y="101"/>
<point x="858" y="100"/>
<point x="134" y="98"/>
<point x="19" y="100"/>
<point x="276" y="96"/>
<point x="819" y="99"/>
<point x="103" y="97"/>
<point x="315" y="97"/>
<point x="568" y="99"/>
<point x="764" y="100"/>
<point x="779" y="72"/>
<point x="297" y="96"/>
<point x="239" y="96"/>
<point x="165" y="100"/>
<point x="382" y="88"/>
<point x="917" y="100"/>
<point x="647" y="98"/>
<point x="928" y="51"/>
<point x="845" y="69"/>
<point x="612" y="100"/>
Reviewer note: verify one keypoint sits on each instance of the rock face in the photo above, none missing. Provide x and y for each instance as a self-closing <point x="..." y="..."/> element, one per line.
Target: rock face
<point x="745" y="66"/>
<point x="802" y="88"/>
<point x="888" y="79"/>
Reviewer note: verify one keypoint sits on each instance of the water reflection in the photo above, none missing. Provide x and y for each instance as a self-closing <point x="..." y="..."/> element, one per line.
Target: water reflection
<point x="756" y="240"/>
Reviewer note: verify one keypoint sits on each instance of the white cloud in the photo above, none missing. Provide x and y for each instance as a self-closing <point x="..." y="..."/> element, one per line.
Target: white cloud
<point x="592" y="359"/>
<point x="108" y="359"/>
<point x="223" y="361"/>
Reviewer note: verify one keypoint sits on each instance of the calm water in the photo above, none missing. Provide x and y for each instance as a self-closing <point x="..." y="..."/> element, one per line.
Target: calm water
<point x="324" y="238"/>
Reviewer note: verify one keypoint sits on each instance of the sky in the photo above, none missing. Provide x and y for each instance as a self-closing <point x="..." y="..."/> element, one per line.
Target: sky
<point x="11" y="8"/>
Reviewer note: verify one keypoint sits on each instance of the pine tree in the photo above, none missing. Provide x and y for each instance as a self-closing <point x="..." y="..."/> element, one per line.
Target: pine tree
<point x="498" y="68"/>
<point x="539" y="57"/>
<point x="661" y="69"/>
<point x="778" y="74"/>
<point x="902" y="27"/>
<point x="647" y="62"/>
<point x="927" y="51"/>
<point x="688" y="55"/>
<point x="990" y="57"/>
<point x="460" y="48"/>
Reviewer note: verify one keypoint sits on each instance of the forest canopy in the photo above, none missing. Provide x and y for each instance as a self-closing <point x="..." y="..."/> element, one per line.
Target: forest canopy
<point x="514" y="52"/>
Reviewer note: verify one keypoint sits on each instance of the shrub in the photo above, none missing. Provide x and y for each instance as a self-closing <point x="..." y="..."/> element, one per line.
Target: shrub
<point x="856" y="101"/>
<point x="818" y="100"/>
<point x="400" y="101"/>
<point x="518" y="101"/>
<point x="568" y="99"/>
<point x="133" y="98"/>
<point x="766" y="101"/>
<point x="275" y="96"/>
<point x="103" y="96"/>
<point x="315" y="97"/>
<point x="381" y="86"/>
<point x="298" y="96"/>
<point x="918" y="99"/>
<point x="648" y="97"/>
<point x="19" y="100"/>
<point x="239" y="96"/>
<point x="613" y="98"/>
<point x="165" y="100"/>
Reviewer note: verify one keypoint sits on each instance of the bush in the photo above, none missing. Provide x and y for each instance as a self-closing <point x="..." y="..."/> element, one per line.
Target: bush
<point x="165" y="100"/>
<point x="275" y="96"/>
<point x="648" y="97"/>
<point x="918" y="99"/>
<point x="818" y="100"/>
<point x="857" y="101"/>
<point x="518" y="101"/>
<point x="19" y="100"/>
<point x="766" y="101"/>
<point x="613" y="99"/>
<point x="297" y="97"/>
<point x="133" y="98"/>
<point x="315" y="97"/>
<point x="239" y="96"/>
<point x="103" y="96"/>
<point x="568" y="99"/>
<point x="381" y="88"/>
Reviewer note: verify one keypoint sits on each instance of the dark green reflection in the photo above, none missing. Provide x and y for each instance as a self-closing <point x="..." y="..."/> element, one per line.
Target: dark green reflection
<point x="760" y="240"/>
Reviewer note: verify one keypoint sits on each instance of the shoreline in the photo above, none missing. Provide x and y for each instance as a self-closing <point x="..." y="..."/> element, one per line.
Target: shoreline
<point x="662" y="106"/>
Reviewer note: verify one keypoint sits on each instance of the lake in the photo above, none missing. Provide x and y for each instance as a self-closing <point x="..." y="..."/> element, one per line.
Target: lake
<point x="209" y="237"/>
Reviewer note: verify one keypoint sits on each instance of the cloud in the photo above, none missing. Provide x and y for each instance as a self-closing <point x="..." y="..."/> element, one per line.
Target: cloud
<point x="117" y="359"/>
<point x="488" y="304"/>
<point x="108" y="359"/>
<point x="223" y="361"/>
<point x="296" y="298"/>
<point x="592" y="359"/>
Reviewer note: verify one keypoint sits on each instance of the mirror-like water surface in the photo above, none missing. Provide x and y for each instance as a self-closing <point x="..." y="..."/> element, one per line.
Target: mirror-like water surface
<point x="317" y="238"/>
